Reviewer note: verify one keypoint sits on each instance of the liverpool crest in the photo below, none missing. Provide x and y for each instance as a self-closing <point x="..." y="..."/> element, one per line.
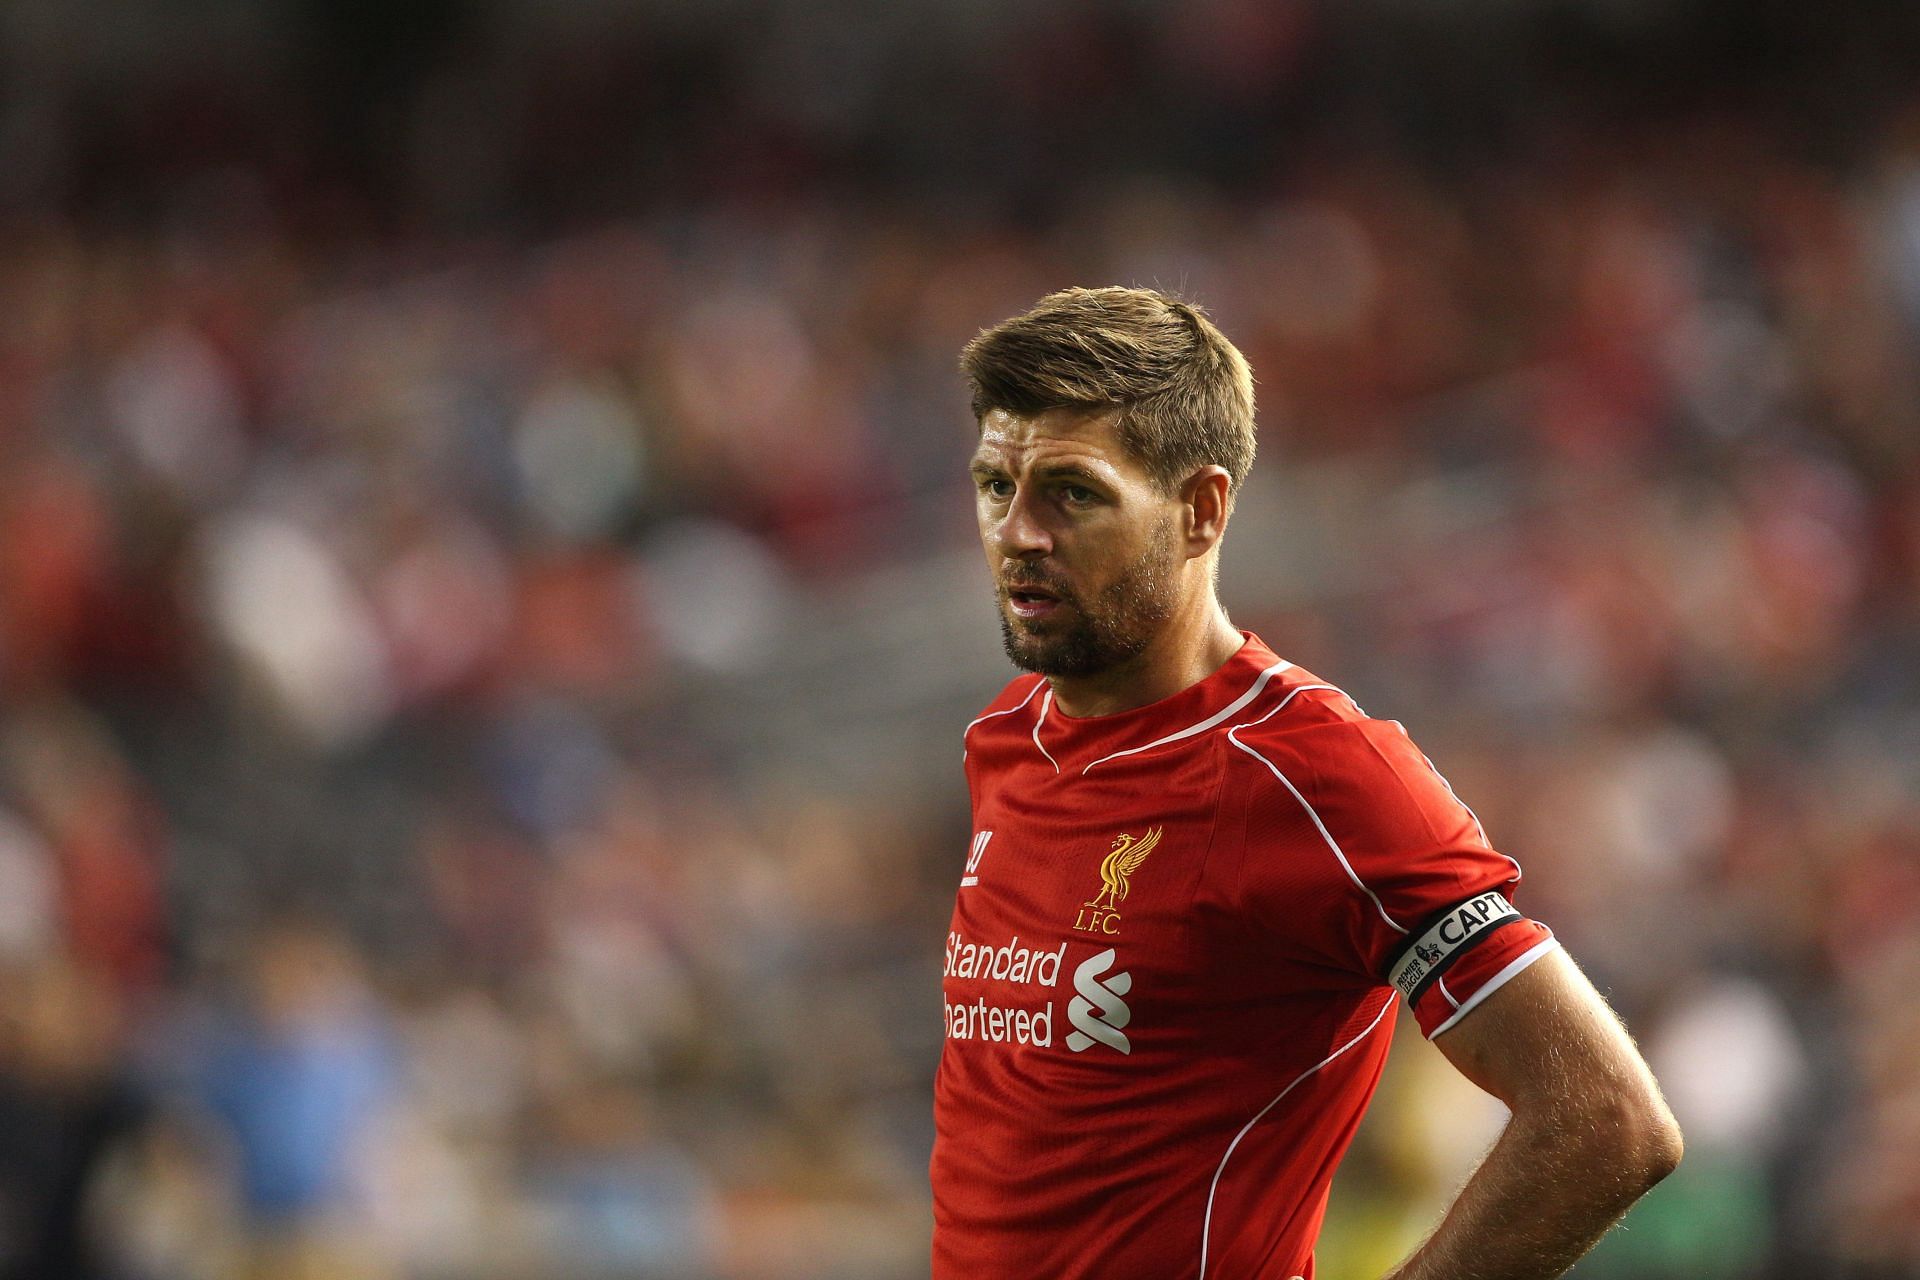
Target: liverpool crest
<point x="1101" y="912"/>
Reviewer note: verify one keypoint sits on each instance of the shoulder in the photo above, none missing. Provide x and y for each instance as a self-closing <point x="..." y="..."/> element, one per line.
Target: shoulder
<point x="1324" y="751"/>
<point x="1308" y="724"/>
<point x="1018" y="695"/>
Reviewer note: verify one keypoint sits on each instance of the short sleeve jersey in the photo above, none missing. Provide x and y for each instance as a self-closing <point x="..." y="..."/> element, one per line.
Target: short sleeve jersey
<point x="1170" y="979"/>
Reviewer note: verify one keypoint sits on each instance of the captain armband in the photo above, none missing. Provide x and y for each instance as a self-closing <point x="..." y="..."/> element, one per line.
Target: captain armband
<point x="1448" y="936"/>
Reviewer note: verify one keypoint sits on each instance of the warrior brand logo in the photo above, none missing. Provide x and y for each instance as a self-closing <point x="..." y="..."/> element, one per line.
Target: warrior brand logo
<point x="1458" y="929"/>
<point x="977" y="852"/>
<point x="1100" y="914"/>
<point x="1098" y="1013"/>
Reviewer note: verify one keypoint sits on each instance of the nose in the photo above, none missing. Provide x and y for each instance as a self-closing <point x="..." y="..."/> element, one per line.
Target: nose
<point x="1020" y="534"/>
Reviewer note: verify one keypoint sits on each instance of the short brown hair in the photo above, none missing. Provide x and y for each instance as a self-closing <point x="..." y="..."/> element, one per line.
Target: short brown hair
<point x="1185" y="394"/>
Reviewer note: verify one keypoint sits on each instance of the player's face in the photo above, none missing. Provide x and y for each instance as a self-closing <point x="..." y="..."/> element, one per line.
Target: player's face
<point x="1083" y="546"/>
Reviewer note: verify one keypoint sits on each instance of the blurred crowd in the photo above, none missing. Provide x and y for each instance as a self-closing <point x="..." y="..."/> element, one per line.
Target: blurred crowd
<point x="372" y="904"/>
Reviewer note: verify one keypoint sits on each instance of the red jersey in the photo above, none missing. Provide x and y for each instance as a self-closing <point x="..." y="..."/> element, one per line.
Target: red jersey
<point x="1171" y="973"/>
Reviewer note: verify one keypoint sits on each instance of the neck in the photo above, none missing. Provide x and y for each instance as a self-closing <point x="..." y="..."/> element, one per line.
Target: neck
<point x="1194" y="645"/>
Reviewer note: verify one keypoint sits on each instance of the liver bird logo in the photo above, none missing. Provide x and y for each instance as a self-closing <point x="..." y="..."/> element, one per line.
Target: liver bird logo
<point x="1128" y="853"/>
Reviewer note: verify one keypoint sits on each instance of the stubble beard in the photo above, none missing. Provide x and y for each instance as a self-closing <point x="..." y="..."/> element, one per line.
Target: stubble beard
<point x="1113" y="628"/>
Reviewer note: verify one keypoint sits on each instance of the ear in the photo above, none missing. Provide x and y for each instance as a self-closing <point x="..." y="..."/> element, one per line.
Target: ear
<point x="1204" y="498"/>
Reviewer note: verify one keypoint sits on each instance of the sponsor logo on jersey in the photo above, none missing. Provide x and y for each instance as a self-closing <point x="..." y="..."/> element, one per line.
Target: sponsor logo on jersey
<point x="1097" y="1012"/>
<point x="1101" y="912"/>
<point x="974" y="854"/>
<point x="1010" y="965"/>
<point x="1453" y="932"/>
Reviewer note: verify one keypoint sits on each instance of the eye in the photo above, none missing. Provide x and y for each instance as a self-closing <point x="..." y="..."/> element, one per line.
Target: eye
<point x="996" y="487"/>
<point x="1079" y="494"/>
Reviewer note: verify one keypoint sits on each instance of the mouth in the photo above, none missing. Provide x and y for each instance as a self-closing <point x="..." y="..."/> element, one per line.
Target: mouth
<point x="1031" y="603"/>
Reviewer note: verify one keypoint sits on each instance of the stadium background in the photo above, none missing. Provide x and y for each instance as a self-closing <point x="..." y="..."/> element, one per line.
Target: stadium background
<point x="487" y="603"/>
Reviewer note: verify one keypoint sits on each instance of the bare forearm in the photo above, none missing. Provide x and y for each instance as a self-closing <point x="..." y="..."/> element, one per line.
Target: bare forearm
<point x="1544" y="1195"/>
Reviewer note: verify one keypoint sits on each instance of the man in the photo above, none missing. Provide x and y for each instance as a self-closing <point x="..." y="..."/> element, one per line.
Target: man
<point x="1200" y="879"/>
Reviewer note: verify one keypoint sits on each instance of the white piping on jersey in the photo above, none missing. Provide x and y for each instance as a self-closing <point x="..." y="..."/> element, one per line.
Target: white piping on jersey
<point x="1320" y="826"/>
<point x="1040" y="720"/>
<point x="1442" y="983"/>
<point x="1209" y="722"/>
<point x="1037" y="686"/>
<point x="1282" y="705"/>
<point x="1206" y="1224"/>
<point x="1482" y="831"/>
<point x="1498" y="981"/>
